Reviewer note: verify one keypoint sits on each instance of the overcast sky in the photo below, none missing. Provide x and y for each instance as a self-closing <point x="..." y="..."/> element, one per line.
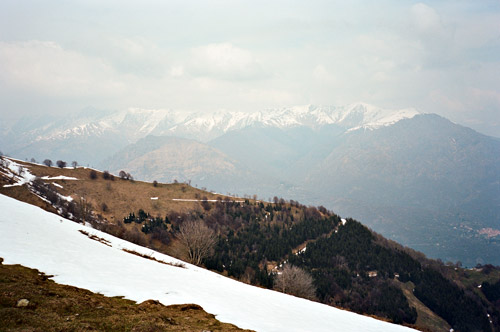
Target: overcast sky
<point x="441" y="56"/>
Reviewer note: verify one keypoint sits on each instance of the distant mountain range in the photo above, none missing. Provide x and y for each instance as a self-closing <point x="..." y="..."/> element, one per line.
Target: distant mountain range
<point x="29" y="135"/>
<point x="416" y="178"/>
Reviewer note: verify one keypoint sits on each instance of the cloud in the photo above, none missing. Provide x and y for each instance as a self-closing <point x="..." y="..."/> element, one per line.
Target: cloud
<point x="425" y="18"/>
<point x="176" y="71"/>
<point x="435" y="35"/>
<point x="135" y="56"/>
<point x="473" y="107"/>
<point x="224" y="61"/>
<point x="439" y="98"/>
<point x="483" y="110"/>
<point x="270" y="96"/>
<point x="489" y="97"/>
<point x="45" y="68"/>
<point x="322" y="74"/>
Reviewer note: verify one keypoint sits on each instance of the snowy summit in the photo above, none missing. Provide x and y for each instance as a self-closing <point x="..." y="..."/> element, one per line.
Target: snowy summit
<point x="205" y="126"/>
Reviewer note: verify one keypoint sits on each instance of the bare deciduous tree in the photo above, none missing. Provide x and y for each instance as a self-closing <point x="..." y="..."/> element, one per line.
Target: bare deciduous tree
<point x="295" y="281"/>
<point x="197" y="240"/>
<point x="47" y="162"/>
<point x="84" y="210"/>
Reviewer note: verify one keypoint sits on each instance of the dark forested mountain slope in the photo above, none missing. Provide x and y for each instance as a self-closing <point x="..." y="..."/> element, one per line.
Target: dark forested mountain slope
<point x="424" y="181"/>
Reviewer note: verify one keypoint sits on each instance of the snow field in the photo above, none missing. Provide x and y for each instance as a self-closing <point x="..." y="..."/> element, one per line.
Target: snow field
<point x="35" y="238"/>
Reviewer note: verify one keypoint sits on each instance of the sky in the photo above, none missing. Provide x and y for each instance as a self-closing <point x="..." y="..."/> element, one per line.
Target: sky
<point x="58" y="57"/>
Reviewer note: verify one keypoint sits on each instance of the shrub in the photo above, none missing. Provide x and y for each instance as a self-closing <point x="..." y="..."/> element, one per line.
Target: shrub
<point x="125" y="176"/>
<point x="205" y="204"/>
<point x="197" y="240"/>
<point x="293" y="280"/>
<point x="47" y="162"/>
<point x="93" y="174"/>
<point x="61" y="164"/>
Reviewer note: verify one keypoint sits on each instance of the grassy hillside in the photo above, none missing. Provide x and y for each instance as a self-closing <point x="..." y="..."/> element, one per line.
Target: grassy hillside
<point x="121" y="196"/>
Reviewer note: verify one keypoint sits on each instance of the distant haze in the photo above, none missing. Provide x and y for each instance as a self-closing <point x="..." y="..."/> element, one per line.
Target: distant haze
<point x="438" y="57"/>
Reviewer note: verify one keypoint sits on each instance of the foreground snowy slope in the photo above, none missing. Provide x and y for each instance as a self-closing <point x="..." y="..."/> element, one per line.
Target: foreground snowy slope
<point x="35" y="238"/>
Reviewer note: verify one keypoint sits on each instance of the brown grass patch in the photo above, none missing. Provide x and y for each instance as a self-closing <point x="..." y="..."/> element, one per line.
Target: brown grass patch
<point x="123" y="196"/>
<point x="154" y="259"/>
<point x="95" y="238"/>
<point x="426" y="319"/>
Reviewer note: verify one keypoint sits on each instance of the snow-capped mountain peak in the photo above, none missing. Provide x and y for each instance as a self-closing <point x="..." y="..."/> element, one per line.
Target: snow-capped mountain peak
<point x="362" y="115"/>
<point x="136" y="123"/>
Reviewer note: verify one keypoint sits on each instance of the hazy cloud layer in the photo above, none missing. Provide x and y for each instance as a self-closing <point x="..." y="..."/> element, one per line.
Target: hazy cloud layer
<point x="440" y="56"/>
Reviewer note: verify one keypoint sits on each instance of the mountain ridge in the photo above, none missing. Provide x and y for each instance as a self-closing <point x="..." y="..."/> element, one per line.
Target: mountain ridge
<point x="136" y="123"/>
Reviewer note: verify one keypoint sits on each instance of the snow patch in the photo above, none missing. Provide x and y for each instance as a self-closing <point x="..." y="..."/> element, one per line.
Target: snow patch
<point x="59" y="177"/>
<point x="202" y="200"/>
<point x="301" y="251"/>
<point x="67" y="198"/>
<point x="18" y="173"/>
<point x="53" y="245"/>
<point x="139" y="123"/>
